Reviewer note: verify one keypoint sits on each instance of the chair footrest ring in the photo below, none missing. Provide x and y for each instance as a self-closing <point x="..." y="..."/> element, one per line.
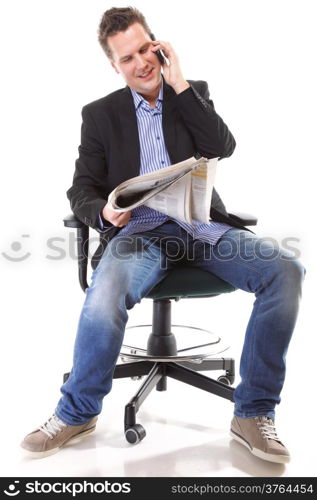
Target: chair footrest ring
<point x="209" y="345"/>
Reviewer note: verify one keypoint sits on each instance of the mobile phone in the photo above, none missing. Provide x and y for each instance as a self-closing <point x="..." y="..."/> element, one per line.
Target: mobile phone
<point x="159" y="54"/>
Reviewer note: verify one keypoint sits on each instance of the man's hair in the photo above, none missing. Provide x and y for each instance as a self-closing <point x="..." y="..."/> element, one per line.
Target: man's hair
<point x="118" y="19"/>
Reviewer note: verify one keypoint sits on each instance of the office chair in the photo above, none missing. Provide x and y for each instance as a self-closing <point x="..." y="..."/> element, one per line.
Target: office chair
<point x="161" y="358"/>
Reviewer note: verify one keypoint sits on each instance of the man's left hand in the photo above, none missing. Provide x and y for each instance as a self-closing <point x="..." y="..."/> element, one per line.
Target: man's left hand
<point x="171" y="68"/>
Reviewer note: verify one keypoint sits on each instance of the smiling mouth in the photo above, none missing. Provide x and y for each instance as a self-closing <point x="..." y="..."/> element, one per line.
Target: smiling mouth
<point x="145" y="75"/>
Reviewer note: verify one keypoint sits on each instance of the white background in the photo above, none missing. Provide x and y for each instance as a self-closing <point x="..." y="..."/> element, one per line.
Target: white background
<point x="259" y="60"/>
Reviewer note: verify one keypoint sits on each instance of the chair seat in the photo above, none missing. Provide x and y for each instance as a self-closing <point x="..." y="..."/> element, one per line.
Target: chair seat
<point x="186" y="281"/>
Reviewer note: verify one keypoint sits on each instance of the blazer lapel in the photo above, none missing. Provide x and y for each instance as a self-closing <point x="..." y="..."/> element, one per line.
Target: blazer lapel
<point x="130" y="135"/>
<point x="169" y="121"/>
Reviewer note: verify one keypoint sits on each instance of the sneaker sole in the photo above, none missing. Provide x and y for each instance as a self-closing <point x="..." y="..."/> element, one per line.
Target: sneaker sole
<point x="279" y="459"/>
<point x="43" y="454"/>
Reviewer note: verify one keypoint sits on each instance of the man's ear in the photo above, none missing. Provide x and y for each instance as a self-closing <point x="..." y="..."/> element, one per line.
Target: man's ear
<point x="115" y="67"/>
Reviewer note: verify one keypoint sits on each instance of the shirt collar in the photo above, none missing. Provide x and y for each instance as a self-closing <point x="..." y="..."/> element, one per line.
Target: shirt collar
<point x="138" y="99"/>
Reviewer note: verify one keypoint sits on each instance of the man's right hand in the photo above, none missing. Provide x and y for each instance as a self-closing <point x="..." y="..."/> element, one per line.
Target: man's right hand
<point x="118" y="219"/>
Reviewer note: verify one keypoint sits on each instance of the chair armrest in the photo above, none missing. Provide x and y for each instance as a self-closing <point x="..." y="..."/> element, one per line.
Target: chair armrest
<point x="244" y="218"/>
<point x="72" y="221"/>
<point x="82" y="240"/>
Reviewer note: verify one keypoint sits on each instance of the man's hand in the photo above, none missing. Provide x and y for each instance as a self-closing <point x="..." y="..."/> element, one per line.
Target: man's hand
<point x="171" y="69"/>
<point x="118" y="219"/>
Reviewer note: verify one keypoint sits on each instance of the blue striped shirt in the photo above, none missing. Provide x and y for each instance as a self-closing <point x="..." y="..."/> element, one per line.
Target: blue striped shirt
<point x="154" y="156"/>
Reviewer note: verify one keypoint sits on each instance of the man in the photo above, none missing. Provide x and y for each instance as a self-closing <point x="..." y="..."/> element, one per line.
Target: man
<point x="155" y="121"/>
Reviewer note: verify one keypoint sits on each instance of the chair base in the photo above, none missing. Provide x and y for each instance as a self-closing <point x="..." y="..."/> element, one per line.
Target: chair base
<point x="157" y="373"/>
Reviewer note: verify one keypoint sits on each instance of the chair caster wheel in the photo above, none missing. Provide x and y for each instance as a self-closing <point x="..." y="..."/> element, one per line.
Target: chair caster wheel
<point x="225" y="380"/>
<point x="135" y="434"/>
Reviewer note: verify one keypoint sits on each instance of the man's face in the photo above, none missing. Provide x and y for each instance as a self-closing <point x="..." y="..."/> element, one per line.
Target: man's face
<point x="133" y="58"/>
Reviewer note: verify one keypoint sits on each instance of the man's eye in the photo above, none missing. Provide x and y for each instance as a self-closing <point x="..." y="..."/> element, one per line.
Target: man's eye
<point x="143" y="50"/>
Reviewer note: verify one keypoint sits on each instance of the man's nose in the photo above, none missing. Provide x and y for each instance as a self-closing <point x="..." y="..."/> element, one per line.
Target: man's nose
<point x="140" y="61"/>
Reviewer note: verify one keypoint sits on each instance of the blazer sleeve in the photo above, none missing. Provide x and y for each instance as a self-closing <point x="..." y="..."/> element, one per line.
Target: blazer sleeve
<point x="87" y="193"/>
<point x="211" y="135"/>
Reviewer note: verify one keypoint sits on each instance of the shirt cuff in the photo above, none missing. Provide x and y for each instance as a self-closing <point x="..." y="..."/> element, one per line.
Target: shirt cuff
<point x="100" y="222"/>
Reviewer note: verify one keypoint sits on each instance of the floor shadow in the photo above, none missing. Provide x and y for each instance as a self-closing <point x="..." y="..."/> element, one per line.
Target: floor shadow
<point x="209" y="459"/>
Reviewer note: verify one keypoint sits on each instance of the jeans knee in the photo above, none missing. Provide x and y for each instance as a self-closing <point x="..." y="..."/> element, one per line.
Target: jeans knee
<point x="296" y="271"/>
<point x="292" y="272"/>
<point x="112" y="294"/>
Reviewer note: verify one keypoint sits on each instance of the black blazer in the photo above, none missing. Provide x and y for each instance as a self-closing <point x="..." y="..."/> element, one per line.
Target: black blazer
<point x="109" y="152"/>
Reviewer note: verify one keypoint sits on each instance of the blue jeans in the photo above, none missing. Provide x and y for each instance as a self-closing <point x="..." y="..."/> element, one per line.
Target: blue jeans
<point x="132" y="265"/>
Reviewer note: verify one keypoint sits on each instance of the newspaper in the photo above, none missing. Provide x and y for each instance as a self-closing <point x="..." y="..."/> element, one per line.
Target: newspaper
<point x="182" y="191"/>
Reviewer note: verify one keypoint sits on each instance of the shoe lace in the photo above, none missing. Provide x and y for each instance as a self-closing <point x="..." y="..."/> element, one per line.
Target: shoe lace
<point x="52" y="426"/>
<point x="267" y="428"/>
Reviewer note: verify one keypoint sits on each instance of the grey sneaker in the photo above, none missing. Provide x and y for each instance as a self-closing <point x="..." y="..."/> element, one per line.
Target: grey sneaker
<point x="53" y="434"/>
<point x="258" y="434"/>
